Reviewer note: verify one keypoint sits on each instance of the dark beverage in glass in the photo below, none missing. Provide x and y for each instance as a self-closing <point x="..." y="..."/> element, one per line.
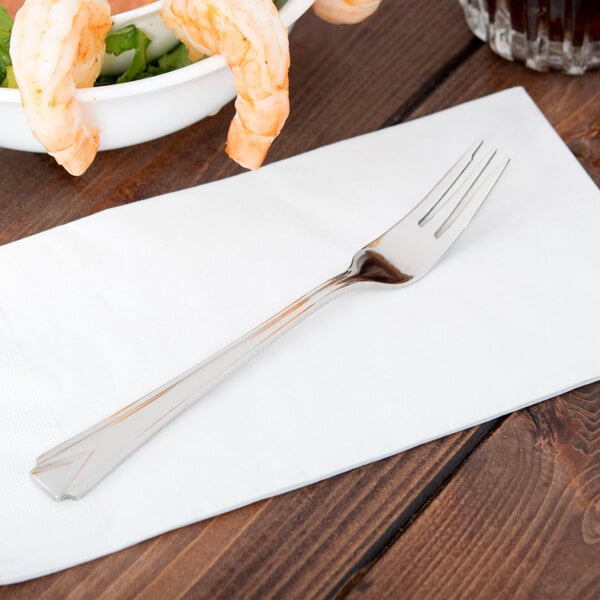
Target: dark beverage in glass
<point x="545" y="34"/>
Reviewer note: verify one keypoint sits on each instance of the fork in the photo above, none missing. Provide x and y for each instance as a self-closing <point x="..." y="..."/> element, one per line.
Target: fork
<point x="400" y="256"/>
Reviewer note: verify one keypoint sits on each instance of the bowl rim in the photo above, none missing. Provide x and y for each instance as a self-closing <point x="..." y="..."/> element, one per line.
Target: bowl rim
<point x="123" y="18"/>
<point x="289" y="12"/>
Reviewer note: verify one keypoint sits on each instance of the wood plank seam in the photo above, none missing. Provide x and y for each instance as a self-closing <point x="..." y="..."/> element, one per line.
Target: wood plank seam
<point x="430" y="84"/>
<point x="412" y="512"/>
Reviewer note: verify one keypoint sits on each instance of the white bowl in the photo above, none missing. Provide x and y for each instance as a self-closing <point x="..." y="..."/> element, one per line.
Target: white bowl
<point x="139" y="111"/>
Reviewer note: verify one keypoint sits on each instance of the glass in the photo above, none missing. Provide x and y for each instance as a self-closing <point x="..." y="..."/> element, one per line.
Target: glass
<point x="545" y="34"/>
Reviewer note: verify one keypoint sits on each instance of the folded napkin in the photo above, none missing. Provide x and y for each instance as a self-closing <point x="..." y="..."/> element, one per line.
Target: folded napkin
<point x="96" y="313"/>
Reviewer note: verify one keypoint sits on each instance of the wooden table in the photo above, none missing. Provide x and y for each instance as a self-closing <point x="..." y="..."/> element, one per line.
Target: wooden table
<point x="508" y="509"/>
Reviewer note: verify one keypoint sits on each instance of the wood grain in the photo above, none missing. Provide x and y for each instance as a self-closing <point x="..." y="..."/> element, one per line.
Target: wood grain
<point x="354" y="534"/>
<point x="574" y="112"/>
<point x="520" y="519"/>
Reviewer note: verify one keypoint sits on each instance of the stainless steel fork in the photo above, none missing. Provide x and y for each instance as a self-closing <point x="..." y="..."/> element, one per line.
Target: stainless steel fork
<point x="400" y="256"/>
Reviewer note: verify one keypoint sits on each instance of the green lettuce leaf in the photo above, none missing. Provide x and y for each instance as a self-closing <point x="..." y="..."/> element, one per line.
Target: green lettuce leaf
<point x="10" y="81"/>
<point x="6" y="24"/>
<point x="174" y="59"/>
<point x="129" y="38"/>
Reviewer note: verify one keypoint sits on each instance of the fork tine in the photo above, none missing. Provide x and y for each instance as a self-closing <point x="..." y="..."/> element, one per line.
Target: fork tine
<point x="452" y="204"/>
<point x="473" y="199"/>
<point x="426" y="208"/>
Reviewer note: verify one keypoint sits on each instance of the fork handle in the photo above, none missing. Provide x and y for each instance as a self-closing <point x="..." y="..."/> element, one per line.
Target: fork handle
<point x="74" y="467"/>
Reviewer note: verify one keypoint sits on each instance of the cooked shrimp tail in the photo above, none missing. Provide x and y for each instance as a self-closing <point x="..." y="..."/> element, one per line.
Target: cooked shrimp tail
<point x="56" y="46"/>
<point x="251" y="37"/>
<point x="345" y="12"/>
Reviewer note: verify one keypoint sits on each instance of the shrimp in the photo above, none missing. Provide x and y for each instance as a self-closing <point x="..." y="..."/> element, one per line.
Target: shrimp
<point x="56" y="46"/>
<point x="345" y="11"/>
<point x="252" y="39"/>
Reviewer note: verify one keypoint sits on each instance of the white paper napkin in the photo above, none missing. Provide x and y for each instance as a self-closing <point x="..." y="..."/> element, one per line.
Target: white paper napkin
<point x="96" y="313"/>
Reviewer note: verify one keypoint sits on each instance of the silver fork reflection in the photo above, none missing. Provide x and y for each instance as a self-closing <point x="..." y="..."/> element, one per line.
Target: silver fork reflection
<point x="400" y="256"/>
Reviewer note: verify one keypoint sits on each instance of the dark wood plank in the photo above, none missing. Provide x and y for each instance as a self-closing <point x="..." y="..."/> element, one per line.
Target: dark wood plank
<point x="521" y="519"/>
<point x="571" y="104"/>
<point x="345" y="81"/>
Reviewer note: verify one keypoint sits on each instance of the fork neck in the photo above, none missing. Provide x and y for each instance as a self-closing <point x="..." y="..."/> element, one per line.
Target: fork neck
<point x="369" y="265"/>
